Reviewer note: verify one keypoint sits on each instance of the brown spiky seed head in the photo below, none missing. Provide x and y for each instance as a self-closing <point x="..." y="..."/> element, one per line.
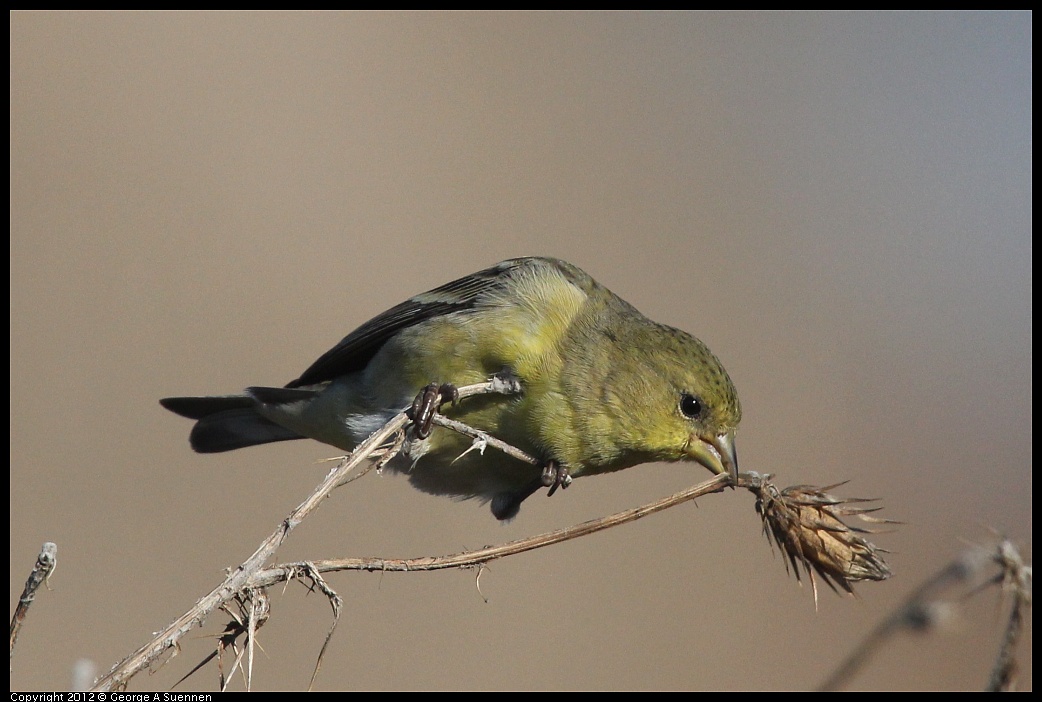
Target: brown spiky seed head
<point x="806" y="524"/>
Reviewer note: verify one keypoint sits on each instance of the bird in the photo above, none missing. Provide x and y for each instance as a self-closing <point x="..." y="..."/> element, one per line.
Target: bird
<point x="602" y="387"/>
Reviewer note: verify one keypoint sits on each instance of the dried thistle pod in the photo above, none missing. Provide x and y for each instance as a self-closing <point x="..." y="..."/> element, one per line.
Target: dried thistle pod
<point x="806" y="524"/>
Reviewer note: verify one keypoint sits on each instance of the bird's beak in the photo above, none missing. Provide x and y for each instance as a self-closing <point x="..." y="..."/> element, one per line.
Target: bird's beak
<point x="717" y="453"/>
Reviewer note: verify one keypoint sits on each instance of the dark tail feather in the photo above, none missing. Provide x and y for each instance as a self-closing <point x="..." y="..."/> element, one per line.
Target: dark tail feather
<point x="226" y="423"/>
<point x="506" y="505"/>
<point x="199" y="407"/>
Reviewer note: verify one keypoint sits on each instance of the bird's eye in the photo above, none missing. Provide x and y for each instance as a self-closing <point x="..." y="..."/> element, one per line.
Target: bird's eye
<point x="691" y="406"/>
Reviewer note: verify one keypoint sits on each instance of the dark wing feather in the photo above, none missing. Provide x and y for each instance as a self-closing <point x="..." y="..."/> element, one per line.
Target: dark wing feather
<point x="357" y="348"/>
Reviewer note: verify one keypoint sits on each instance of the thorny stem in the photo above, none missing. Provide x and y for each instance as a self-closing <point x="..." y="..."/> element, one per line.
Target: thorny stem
<point x="117" y="678"/>
<point x="45" y="564"/>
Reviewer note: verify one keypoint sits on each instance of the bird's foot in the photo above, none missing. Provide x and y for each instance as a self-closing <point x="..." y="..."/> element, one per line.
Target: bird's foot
<point x="427" y="403"/>
<point x="555" y="476"/>
<point x="506" y="505"/>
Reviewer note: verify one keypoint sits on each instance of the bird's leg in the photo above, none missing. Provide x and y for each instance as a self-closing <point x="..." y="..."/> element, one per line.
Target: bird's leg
<point x="430" y="399"/>
<point x="554" y="476"/>
<point x="506" y="505"/>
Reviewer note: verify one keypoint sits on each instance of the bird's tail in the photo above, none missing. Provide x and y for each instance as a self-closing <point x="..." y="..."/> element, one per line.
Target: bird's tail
<point x="226" y="422"/>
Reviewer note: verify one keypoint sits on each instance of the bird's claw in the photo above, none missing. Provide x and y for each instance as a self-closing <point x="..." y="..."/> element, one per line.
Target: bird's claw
<point x="427" y="403"/>
<point x="555" y="476"/>
<point x="506" y="505"/>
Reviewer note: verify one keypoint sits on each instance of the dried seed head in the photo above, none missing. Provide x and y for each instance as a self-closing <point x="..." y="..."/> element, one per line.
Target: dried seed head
<point x="806" y="524"/>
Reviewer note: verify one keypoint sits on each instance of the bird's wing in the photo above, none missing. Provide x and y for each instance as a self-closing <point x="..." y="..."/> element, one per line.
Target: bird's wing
<point x="357" y="348"/>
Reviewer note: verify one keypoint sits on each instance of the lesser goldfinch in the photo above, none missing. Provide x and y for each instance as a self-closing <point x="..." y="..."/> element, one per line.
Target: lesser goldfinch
<point x="602" y="386"/>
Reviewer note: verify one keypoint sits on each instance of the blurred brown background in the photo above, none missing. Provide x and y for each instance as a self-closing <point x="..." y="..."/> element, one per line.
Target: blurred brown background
<point x="838" y="204"/>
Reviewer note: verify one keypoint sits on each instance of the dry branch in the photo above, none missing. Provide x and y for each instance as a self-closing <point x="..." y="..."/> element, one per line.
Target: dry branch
<point x="42" y="569"/>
